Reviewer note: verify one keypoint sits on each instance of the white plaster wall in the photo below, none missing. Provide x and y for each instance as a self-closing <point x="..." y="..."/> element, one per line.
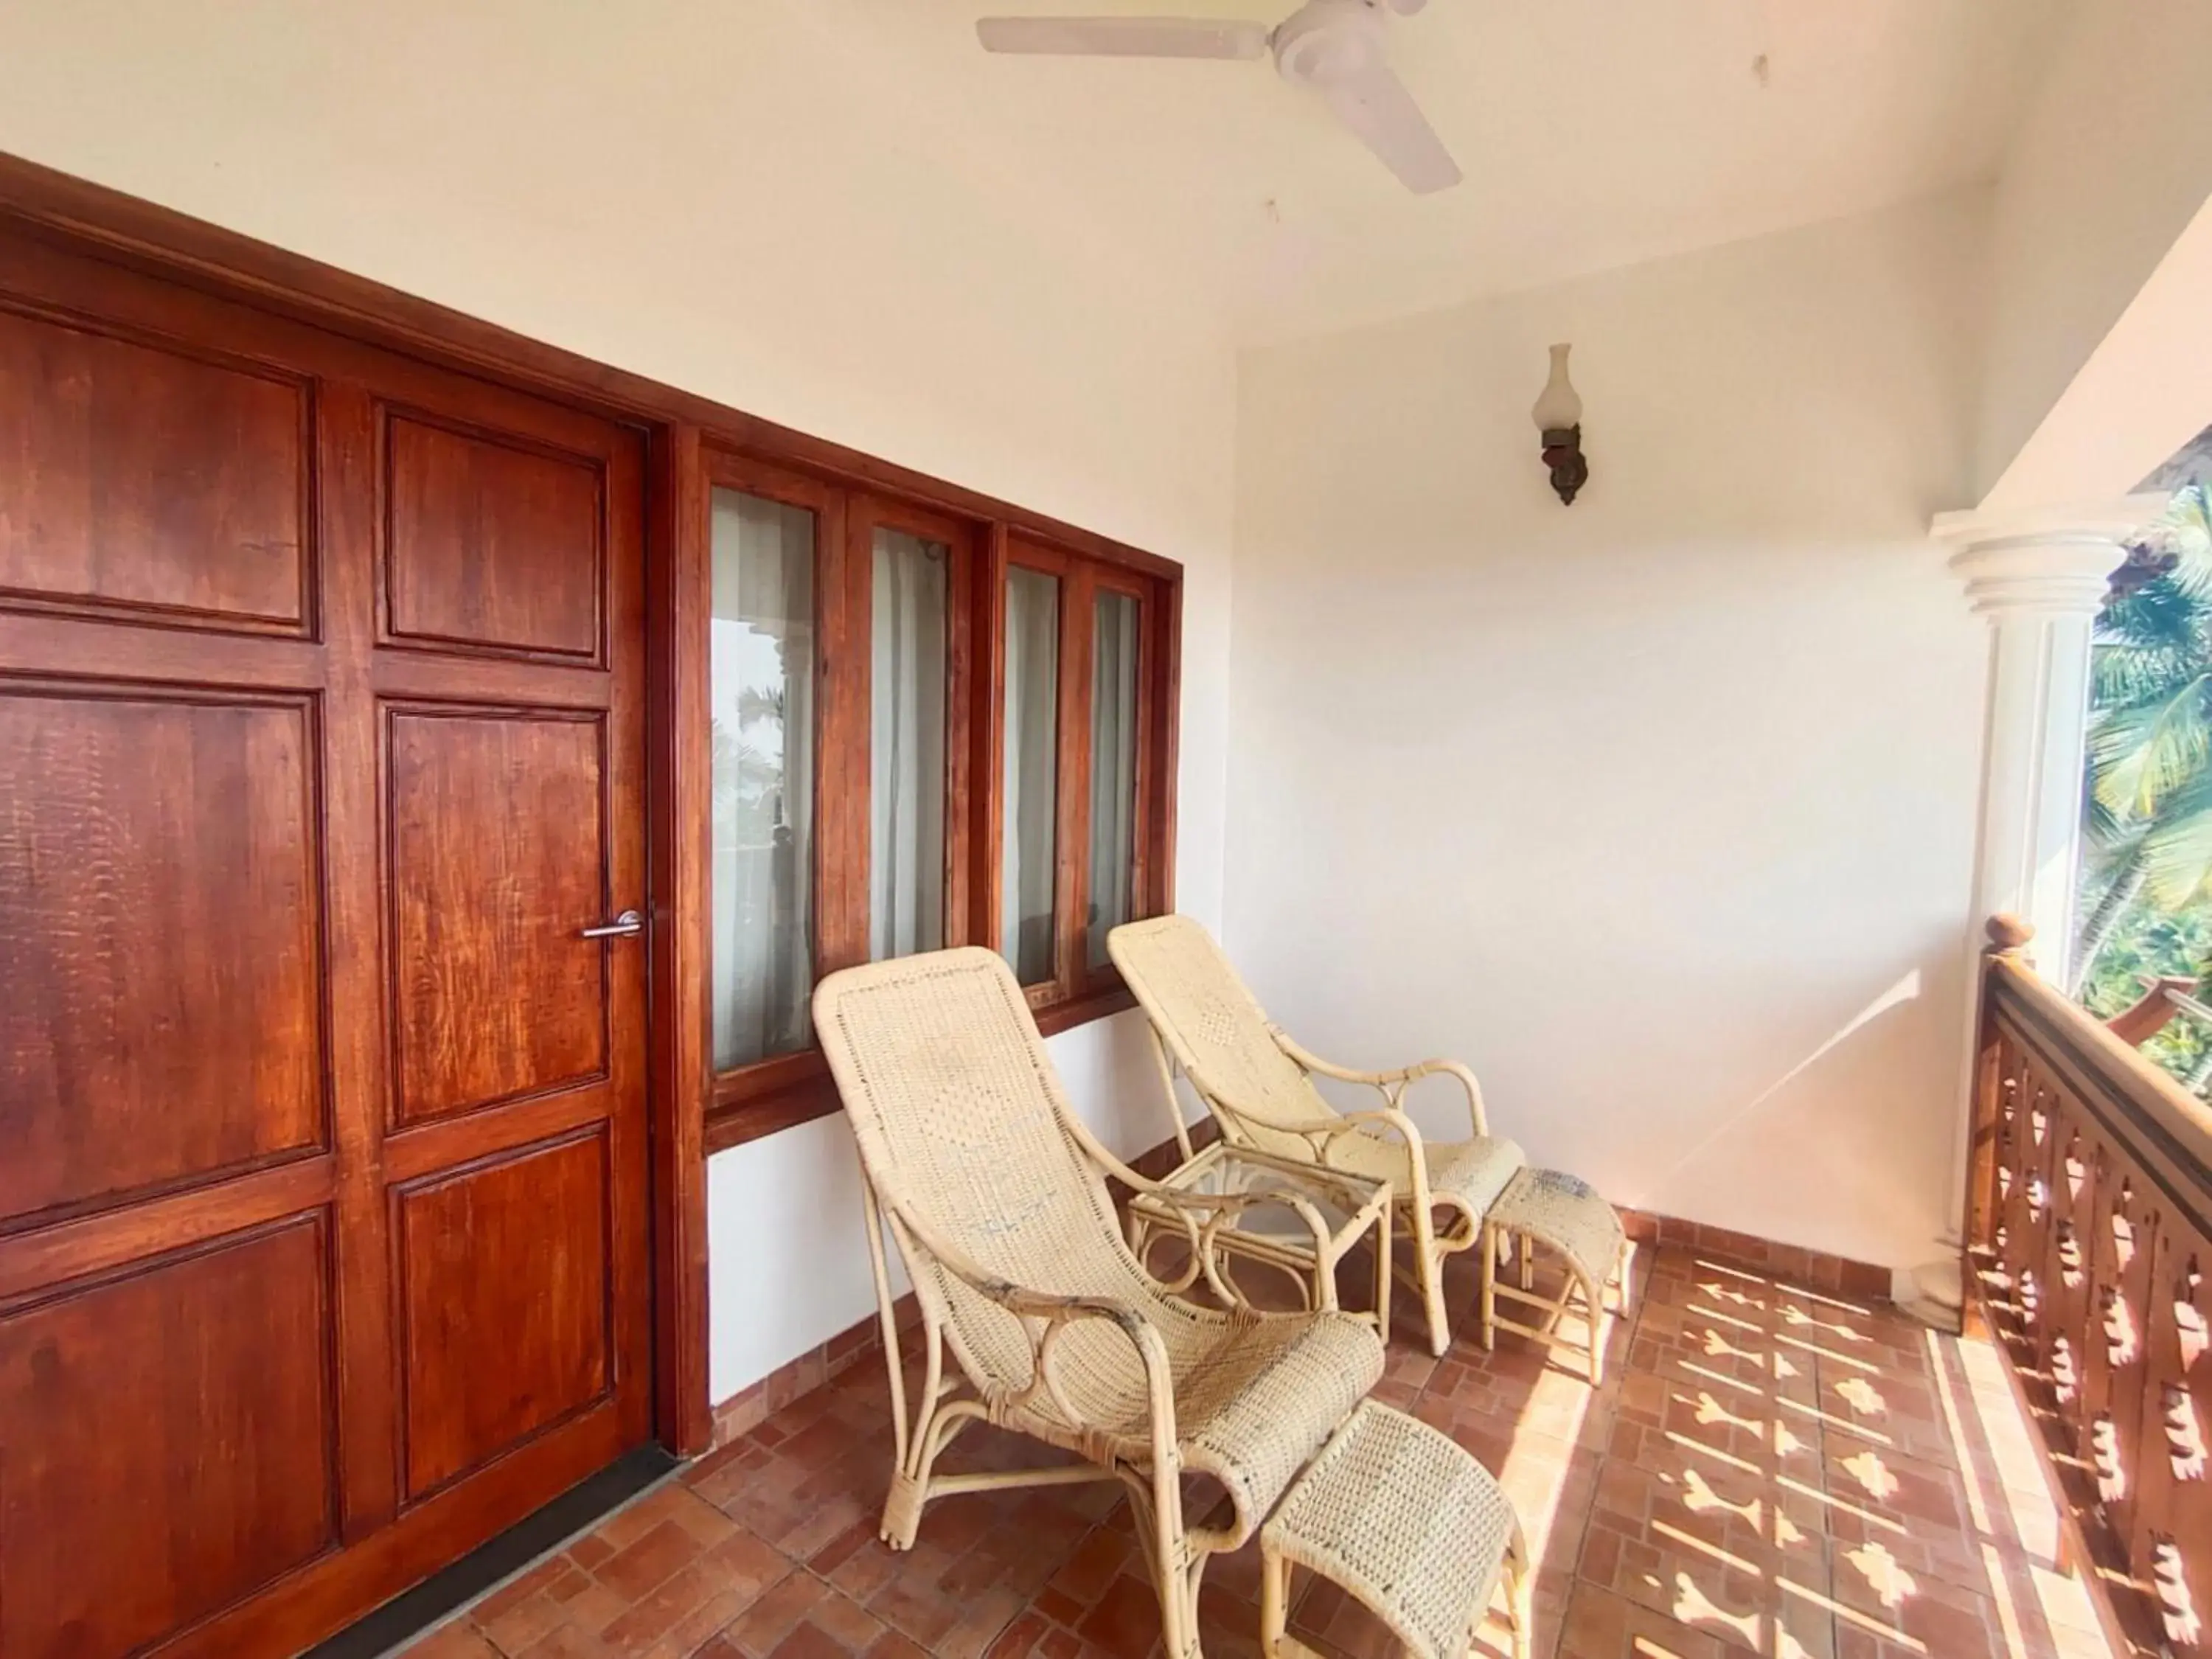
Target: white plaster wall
<point x="2107" y="166"/>
<point x="743" y="202"/>
<point x="1658" y="809"/>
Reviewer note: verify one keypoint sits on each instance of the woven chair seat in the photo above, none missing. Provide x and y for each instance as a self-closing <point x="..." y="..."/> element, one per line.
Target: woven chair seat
<point x="1472" y="1171"/>
<point x="1404" y="1518"/>
<point x="1564" y="1214"/>
<point x="1254" y="1398"/>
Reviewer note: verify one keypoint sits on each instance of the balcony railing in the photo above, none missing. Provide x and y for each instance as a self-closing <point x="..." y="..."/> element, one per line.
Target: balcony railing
<point x="2089" y="1209"/>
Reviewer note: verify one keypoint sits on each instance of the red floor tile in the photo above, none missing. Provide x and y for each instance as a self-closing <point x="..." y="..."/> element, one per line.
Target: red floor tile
<point x="1767" y="1470"/>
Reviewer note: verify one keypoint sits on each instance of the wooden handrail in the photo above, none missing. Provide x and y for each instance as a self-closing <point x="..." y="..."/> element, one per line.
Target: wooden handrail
<point x="2090" y="1239"/>
<point x="2154" y="1011"/>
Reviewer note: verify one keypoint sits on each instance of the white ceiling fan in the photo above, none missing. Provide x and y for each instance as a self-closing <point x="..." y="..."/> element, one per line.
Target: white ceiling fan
<point x="1333" y="46"/>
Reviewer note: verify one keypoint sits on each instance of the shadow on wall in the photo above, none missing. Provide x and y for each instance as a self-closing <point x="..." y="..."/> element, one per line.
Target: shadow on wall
<point x="1784" y="1163"/>
<point x="1653" y="1195"/>
<point x="1827" y="1129"/>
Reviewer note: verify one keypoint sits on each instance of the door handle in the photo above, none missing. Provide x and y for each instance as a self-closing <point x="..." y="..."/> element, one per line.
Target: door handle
<point x="623" y="927"/>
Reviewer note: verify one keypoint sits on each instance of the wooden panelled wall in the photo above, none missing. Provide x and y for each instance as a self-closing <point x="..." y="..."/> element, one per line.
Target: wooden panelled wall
<point x="2089" y="1237"/>
<point x="353" y="659"/>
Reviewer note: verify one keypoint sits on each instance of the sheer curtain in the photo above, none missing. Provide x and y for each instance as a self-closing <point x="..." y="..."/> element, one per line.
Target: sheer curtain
<point x="906" y="749"/>
<point x="1032" y="755"/>
<point x="762" y="699"/>
<point x="1112" y="769"/>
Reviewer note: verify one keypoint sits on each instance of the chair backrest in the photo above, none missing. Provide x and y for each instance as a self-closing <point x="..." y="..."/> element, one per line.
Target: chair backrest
<point x="1216" y="1030"/>
<point x="962" y="1124"/>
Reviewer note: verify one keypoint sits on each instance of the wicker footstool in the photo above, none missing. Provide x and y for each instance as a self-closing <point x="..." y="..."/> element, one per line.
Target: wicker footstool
<point x="1401" y="1516"/>
<point x="1564" y="1214"/>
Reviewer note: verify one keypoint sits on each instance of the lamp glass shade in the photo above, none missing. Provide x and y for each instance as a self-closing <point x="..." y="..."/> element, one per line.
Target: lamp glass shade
<point x="1560" y="406"/>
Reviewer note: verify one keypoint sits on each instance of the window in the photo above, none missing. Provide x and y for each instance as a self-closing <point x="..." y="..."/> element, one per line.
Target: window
<point x="1029" y="776"/>
<point x="761" y="724"/>
<point x="907" y="878"/>
<point x="928" y="728"/>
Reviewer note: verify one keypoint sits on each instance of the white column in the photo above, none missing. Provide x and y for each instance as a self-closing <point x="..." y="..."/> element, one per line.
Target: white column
<point x="2039" y="576"/>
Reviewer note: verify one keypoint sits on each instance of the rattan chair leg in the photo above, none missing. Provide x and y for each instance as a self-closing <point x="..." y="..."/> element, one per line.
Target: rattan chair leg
<point x="1429" y="1265"/>
<point x="1493" y="1248"/>
<point x="1601" y="1327"/>
<point x="1382" y="1279"/>
<point x="1157" y="1508"/>
<point x="1274" y="1604"/>
<point x="1520" y="1593"/>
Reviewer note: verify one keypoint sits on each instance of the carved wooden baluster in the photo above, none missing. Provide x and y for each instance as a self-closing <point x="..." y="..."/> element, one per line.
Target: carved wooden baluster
<point x="2177" y="1610"/>
<point x="2184" y="1435"/>
<point x="2105" y="1455"/>
<point x="2080" y="1269"/>
<point x="2120" y="1345"/>
<point x="2064" y="1379"/>
<point x="2188" y="1321"/>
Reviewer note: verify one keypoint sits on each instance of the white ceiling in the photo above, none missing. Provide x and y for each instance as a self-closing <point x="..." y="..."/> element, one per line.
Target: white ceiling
<point x="1594" y="134"/>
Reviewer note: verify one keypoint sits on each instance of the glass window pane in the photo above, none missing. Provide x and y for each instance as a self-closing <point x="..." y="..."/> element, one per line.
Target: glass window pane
<point x="1113" y="769"/>
<point x="906" y="747"/>
<point x="1032" y="762"/>
<point x="762" y="697"/>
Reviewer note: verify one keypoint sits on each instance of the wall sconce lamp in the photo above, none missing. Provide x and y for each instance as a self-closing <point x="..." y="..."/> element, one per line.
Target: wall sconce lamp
<point x="1559" y="416"/>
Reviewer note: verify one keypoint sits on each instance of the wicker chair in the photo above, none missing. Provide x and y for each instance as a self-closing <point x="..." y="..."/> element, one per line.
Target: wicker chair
<point x="1259" y="1085"/>
<point x="996" y="1195"/>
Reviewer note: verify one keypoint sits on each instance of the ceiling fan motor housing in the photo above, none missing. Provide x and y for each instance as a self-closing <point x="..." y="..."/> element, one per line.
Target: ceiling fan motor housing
<point x="1328" y="42"/>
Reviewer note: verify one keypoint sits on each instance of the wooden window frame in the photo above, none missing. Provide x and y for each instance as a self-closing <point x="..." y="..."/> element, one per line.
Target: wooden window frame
<point x="747" y="1103"/>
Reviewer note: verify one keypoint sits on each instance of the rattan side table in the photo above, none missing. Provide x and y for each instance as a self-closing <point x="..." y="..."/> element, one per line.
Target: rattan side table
<point x="1307" y="1221"/>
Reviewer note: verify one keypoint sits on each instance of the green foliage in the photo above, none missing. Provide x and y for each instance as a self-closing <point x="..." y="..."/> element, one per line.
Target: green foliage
<point x="2148" y="944"/>
<point x="2146" y="900"/>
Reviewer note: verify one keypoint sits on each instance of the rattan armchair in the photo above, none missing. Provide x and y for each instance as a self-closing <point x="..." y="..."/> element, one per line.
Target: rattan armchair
<point x="1258" y="1082"/>
<point x="994" y="1194"/>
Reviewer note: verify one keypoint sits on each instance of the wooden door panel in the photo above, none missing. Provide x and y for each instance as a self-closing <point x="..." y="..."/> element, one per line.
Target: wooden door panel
<point x="504" y="1282"/>
<point x="492" y="543"/>
<point x="159" y="990"/>
<point x="169" y="1443"/>
<point x="324" y="1246"/>
<point x="497" y="863"/>
<point x="142" y="479"/>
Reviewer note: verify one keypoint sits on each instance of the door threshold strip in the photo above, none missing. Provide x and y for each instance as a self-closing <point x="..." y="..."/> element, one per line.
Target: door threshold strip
<point x="408" y="1614"/>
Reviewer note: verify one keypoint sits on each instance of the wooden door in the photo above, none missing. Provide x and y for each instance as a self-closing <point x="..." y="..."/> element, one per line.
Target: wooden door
<point x="323" y="1190"/>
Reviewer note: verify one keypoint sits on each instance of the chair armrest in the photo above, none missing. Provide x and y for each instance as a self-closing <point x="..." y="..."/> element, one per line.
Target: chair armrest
<point x="1391" y="1085"/>
<point x="1053" y="1312"/>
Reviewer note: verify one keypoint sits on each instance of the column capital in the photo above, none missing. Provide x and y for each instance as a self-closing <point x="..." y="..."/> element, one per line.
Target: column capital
<point x="2042" y="560"/>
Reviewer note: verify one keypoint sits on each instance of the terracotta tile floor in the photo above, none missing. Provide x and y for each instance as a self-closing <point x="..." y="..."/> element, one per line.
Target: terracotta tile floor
<point x="1766" y="1471"/>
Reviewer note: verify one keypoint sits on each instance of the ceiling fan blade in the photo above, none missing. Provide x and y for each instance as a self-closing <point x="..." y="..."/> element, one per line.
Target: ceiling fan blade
<point x="1125" y="37"/>
<point x="1375" y="104"/>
